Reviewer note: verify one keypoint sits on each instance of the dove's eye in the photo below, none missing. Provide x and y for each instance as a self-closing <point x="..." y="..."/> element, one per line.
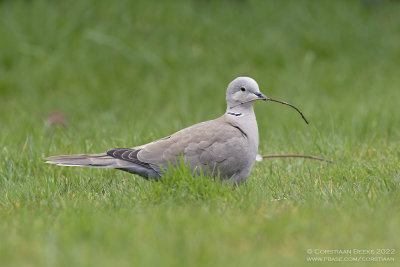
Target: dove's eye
<point x="242" y="89"/>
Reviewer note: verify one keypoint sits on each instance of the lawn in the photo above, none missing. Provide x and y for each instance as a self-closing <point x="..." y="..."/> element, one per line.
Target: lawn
<point x="124" y="73"/>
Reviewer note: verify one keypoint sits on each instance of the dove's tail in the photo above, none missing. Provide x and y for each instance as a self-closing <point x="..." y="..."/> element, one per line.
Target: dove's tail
<point x="104" y="160"/>
<point x="85" y="160"/>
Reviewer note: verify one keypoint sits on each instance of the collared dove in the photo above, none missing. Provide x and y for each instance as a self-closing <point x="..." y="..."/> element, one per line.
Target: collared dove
<point x="226" y="146"/>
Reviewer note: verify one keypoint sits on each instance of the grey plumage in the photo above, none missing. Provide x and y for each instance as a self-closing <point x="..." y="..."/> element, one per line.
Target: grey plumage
<point x="226" y="146"/>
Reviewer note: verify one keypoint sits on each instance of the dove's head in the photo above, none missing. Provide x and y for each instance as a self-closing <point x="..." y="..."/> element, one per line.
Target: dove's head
<point x="243" y="89"/>
<point x="241" y="94"/>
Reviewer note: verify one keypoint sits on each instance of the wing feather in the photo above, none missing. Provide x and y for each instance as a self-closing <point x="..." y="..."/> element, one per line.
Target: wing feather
<point x="211" y="145"/>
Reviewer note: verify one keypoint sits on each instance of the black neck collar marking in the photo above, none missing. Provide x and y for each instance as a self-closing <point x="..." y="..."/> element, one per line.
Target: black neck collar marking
<point x="234" y="114"/>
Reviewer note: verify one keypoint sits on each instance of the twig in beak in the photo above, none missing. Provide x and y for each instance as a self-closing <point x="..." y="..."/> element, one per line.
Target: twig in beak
<point x="273" y="100"/>
<point x="290" y="105"/>
<point x="248" y="101"/>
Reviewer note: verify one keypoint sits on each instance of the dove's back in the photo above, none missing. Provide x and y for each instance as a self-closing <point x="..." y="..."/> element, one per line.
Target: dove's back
<point x="218" y="146"/>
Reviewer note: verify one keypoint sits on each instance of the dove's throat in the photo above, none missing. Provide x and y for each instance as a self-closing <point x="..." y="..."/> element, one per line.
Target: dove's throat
<point x="245" y="109"/>
<point x="245" y="118"/>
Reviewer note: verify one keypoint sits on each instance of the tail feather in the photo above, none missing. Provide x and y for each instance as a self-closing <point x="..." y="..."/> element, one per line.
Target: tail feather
<point x="103" y="161"/>
<point x="85" y="160"/>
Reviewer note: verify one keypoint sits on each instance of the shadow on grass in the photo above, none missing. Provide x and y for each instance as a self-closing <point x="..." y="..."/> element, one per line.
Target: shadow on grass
<point x="182" y="184"/>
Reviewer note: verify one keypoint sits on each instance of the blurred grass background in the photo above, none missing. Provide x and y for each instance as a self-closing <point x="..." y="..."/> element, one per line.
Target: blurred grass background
<point x="127" y="72"/>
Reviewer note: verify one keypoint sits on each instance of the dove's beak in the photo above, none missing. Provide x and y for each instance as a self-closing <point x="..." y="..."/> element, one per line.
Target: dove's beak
<point x="261" y="96"/>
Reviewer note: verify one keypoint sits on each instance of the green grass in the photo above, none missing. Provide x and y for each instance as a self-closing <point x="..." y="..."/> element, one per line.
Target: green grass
<point x="128" y="72"/>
